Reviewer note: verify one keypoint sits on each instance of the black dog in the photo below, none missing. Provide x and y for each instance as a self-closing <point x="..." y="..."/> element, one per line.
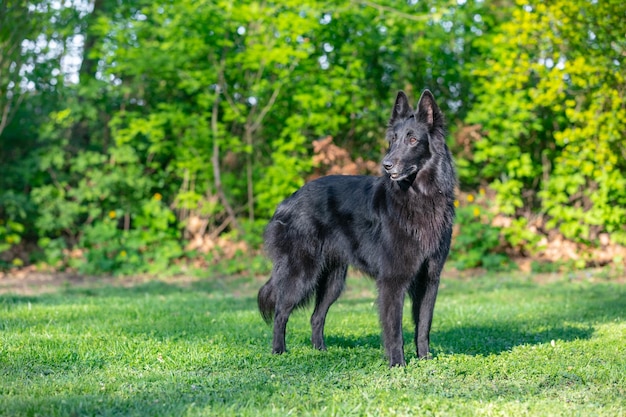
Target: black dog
<point x="397" y="228"/>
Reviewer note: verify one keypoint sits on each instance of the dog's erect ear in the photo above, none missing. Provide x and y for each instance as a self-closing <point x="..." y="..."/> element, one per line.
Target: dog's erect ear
<point x="401" y="108"/>
<point x="428" y="112"/>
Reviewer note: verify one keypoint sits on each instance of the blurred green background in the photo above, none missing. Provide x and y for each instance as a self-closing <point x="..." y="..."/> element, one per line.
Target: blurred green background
<point x="153" y="136"/>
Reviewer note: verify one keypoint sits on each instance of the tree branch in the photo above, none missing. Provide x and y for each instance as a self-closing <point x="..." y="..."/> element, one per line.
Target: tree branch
<point x="259" y="119"/>
<point x="217" y="176"/>
<point x="224" y="90"/>
<point x="9" y="111"/>
<point x="383" y="9"/>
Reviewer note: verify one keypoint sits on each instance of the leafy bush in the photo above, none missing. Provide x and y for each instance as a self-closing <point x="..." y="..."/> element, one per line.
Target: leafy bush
<point x="551" y="106"/>
<point x="215" y="109"/>
<point x="477" y="242"/>
<point x="150" y="245"/>
<point x="13" y="223"/>
<point x="10" y="235"/>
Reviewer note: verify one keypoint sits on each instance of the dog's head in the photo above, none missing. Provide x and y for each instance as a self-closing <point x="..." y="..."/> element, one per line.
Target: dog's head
<point x="413" y="136"/>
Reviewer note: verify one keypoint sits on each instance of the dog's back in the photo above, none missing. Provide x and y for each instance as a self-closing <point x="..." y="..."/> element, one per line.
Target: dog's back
<point x="329" y="219"/>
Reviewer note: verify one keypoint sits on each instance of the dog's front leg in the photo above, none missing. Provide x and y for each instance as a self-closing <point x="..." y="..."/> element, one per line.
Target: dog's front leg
<point x="391" y="300"/>
<point x="423" y="292"/>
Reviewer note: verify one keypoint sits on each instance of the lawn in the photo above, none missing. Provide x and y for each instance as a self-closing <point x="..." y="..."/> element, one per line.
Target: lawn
<point x="503" y="344"/>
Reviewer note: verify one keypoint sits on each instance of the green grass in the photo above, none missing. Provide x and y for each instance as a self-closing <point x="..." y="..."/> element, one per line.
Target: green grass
<point x="502" y="345"/>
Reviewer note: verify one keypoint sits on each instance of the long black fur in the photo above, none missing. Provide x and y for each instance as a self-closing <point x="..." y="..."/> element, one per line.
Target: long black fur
<point x="396" y="228"/>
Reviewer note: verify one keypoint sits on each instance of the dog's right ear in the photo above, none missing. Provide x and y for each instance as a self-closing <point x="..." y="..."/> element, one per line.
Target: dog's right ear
<point x="401" y="108"/>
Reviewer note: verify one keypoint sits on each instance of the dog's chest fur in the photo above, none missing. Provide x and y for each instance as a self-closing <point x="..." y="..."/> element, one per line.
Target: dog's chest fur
<point x="417" y="224"/>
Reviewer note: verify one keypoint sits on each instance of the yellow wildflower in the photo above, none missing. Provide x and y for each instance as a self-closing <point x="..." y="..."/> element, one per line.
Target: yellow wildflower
<point x="456" y="203"/>
<point x="470" y="198"/>
<point x="112" y="214"/>
<point x="158" y="196"/>
<point x="476" y="212"/>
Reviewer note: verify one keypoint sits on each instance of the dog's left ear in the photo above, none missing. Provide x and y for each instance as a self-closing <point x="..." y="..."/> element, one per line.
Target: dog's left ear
<point x="428" y="112"/>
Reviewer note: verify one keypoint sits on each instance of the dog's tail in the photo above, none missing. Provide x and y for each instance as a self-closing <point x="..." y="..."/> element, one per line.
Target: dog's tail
<point x="267" y="301"/>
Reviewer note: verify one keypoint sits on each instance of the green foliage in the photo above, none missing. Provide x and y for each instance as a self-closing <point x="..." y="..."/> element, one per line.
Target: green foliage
<point x="12" y="228"/>
<point x="149" y="246"/>
<point x="551" y="106"/>
<point x="477" y="243"/>
<point x="10" y="235"/>
<point x="105" y="205"/>
<point x="521" y="237"/>
<point x="502" y="345"/>
<point x="213" y="106"/>
<point x="290" y="163"/>
<point x="552" y="267"/>
<point x="53" y="251"/>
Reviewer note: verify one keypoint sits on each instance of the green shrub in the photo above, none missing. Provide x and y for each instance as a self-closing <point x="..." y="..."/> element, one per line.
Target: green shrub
<point x="149" y="246"/>
<point x="477" y="243"/>
<point x="551" y="108"/>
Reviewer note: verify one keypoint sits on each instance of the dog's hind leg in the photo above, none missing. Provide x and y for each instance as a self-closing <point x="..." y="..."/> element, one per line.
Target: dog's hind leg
<point x="329" y="287"/>
<point x="294" y="287"/>
<point x="281" y="315"/>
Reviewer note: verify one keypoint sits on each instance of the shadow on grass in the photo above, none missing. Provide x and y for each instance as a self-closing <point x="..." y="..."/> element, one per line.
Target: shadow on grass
<point x="501" y="337"/>
<point x="472" y="340"/>
<point x="373" y="341"/>
<point x="169" y="400"/>
<point x="199" y="392"/>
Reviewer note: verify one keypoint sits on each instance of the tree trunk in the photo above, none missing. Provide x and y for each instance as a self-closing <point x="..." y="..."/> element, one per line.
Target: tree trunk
<point x="249" y="176"/>
<point x="215" y="159"/>
<point x="89" y="66"/>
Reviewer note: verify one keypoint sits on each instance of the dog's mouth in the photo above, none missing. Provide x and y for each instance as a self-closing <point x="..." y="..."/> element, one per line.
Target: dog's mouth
<point x="400" y="176"/>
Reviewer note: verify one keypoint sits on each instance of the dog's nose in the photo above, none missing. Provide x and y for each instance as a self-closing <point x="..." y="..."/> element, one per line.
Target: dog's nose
<point x="387" y="164"/>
